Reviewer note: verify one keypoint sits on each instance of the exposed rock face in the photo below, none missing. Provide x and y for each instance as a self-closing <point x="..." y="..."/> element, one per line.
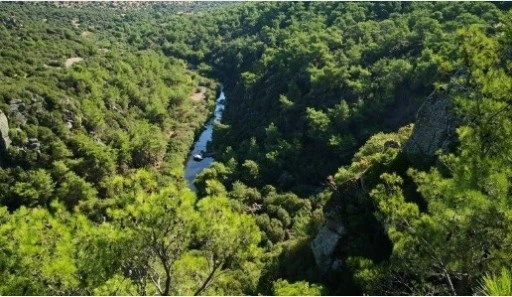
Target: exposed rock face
<point x="5" y="142"/>
<point x="330" y="236"/>
<point x="434" y="129"/>
<point x="324" y="246"/>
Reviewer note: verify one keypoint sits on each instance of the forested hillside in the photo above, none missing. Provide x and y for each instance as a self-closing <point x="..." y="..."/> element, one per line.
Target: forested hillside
<point x="364" y="149"/>
<point x="94" y="134"/>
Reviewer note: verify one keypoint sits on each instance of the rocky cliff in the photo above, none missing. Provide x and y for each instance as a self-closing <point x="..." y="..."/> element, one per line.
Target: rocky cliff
<point x="331" y="235"/>
<point x="435" y="129"/>
<point x="5" y="142"/>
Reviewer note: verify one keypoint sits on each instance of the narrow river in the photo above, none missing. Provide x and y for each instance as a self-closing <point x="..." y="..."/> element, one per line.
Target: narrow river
<point x="194" y="167"/>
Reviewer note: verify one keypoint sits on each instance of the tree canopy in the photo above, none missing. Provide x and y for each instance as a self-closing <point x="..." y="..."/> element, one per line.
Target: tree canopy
<point x="322" y="101"/>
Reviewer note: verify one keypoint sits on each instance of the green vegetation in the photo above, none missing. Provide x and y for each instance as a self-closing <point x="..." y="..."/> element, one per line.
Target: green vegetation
<point x="283" y="288"/>
<point x="499" y="285"/>
<point x="322" y="100"/>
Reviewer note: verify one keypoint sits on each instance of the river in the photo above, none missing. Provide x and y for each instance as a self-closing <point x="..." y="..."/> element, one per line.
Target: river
<point x="193" y="167"/>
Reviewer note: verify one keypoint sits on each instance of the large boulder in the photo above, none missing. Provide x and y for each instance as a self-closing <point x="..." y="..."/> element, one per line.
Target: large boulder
<point x="5" y="142"/>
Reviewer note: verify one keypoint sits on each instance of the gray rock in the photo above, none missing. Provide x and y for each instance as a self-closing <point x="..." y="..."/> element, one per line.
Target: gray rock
<point x="33" y="144"/>
<point x="324" y="246"/>
<point x="331" y="235"/>
<point x="18" y="118"/>
<point x="434" y="130"/>
<point x="16" y="107"/>
<point x="5" y="141"/>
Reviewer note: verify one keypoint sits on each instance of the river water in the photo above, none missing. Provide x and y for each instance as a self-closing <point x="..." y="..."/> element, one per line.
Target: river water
<point x="192" y="168"/>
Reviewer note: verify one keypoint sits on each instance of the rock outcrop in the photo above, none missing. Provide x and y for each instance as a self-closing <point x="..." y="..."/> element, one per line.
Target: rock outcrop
<point x="5" y="142"/>
<point x="331" y="235"/>
<point x="324" y="246"/>
<point x="434" y="130"/>
<point x="17" y="110"/>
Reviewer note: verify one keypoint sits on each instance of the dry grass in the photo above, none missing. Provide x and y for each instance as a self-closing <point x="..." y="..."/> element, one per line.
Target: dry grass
<point x="86" y="33"/>
<point x="199" y="95"/>
<point x="71" y="61"/>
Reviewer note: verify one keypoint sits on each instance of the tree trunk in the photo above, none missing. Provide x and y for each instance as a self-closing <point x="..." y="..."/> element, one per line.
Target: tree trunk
<point x="208" y="279"/>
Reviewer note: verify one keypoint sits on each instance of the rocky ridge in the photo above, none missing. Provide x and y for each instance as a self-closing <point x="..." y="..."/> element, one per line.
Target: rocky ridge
<point x="434" y="130"/>
<point x="5" y="141"/>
